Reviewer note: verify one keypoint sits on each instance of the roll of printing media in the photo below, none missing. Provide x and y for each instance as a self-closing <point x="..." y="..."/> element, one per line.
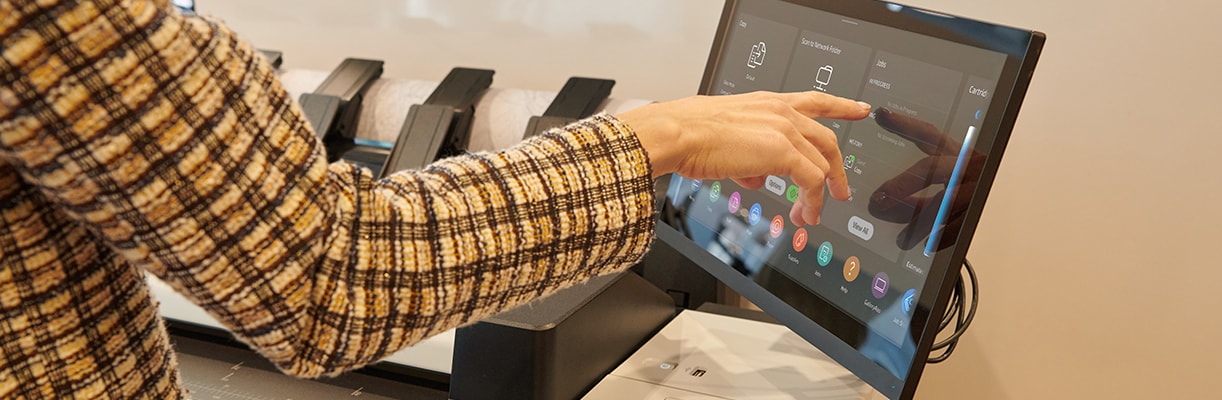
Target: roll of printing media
<point x="501" y="115"/>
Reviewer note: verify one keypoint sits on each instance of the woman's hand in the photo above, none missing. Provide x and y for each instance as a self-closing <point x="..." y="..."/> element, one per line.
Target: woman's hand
<point x="747" y="137"/>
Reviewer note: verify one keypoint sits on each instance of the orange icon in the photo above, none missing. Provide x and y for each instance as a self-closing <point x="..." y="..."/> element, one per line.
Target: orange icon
<point x="852" y="268"/>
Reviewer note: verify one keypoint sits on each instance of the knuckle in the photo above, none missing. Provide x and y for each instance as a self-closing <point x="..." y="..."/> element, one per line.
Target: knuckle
<point x="758" y="95"/>
<point x="831" y="136"/>
<point x="789" y="164"/>
<point x="792" y="130"/>
<point x="776" y="105"/>
<point x="819" y="174"/>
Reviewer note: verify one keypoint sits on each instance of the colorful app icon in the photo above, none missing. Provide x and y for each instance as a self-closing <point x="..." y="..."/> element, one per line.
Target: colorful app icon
<point x="715" y="192"/>
<point x="909" y="301"/>
<point x="777" y="227"/>
<point x="735" y="201"/>
<point x="792" y="194"/>
<point x="757" y="211"/>
<point x="880" y="285"/>
<point x="852" y="268"/>
<point x="799" y="239"/>
<point x="825" y="254"/>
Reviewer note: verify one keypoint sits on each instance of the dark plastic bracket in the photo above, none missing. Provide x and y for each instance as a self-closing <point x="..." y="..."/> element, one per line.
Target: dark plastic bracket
<point x="579" y="98"/>
<point x="274" y="57"/>
<point x="335" y="107"/>
<point x="441" y="127"/>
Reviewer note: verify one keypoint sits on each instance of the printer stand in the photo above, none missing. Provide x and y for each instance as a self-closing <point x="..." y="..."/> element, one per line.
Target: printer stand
<point x="216" y="370"/>
<point x="705" y="356"/>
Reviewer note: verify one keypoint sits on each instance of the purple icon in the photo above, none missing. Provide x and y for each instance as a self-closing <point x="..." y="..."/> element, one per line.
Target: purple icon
<point x="735" y="201"/>
<point x="879" y="287"/>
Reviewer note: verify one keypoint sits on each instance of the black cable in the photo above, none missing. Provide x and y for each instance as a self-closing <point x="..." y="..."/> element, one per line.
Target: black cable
<point x="958" y="312"/>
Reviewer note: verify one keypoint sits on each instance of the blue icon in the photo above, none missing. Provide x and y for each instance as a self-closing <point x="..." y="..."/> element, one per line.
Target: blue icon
<point x="696" y="184"/>
<point x="825" y="254"/>
<point x="978" y="112"/>
<point x="756" y="212"/>
<point x="909" y="301"/>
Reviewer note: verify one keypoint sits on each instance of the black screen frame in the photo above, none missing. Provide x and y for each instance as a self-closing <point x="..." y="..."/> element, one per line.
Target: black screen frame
<point x="1022" y="49"/>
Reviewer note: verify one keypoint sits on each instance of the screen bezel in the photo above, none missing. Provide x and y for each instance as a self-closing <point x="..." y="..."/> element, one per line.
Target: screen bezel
<point x="1022" y="49"/>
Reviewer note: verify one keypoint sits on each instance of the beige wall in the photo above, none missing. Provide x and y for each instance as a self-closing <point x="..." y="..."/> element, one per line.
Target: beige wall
<point x="1098" y="249"/>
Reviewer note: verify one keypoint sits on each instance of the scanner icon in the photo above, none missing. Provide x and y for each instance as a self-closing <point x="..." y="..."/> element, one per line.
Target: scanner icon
<point x="823" y="77"/>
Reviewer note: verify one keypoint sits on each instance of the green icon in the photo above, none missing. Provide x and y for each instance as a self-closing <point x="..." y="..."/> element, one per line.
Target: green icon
<point x="792" y="194"/>
<point x="715" y="191"/>
<point x="849" y="160"/>
<point x="825" y="254"/>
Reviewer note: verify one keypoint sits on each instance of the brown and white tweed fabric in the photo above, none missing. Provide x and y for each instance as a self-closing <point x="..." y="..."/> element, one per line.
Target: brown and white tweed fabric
<point x="133" y="138"/>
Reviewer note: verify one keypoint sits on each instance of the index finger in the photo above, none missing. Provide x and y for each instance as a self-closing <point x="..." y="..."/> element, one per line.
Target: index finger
<point x="814" y="104"/>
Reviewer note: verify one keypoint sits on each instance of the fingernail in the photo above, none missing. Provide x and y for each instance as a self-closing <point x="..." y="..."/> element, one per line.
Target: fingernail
<point x="864" y="106"/>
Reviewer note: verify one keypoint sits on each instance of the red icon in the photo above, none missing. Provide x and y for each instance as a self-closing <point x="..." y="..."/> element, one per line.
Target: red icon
<point x="799" y="239"/>
<point x="778" y="227"/>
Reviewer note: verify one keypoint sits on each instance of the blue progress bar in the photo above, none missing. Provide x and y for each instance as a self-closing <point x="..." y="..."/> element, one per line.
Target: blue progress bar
<point x="951" y="187"/>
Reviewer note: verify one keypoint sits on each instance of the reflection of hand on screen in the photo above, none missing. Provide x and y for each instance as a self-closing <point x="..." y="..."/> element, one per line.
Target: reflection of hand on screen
<point x="915" y="196"/>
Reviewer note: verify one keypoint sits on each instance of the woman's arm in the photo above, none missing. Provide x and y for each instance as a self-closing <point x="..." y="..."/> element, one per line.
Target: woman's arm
<point x="172" y="142"/>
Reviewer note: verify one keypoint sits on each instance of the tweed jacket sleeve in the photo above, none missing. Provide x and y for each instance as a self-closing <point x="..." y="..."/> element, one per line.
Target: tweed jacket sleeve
<point x="171" y="143"/>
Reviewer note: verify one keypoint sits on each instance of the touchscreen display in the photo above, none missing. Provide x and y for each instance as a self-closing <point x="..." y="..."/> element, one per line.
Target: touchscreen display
<point x="912" y="165"/>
